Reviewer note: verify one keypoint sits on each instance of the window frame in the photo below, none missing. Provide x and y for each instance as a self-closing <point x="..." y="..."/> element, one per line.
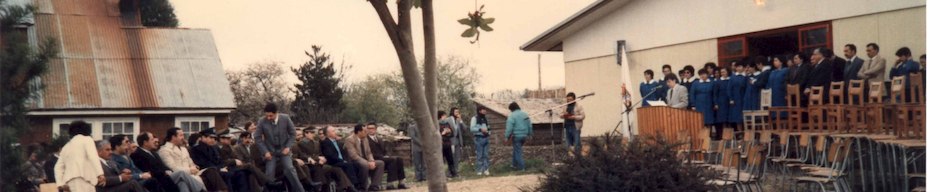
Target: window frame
<point x="97" y="125"/>
<point x="178" y="122"/>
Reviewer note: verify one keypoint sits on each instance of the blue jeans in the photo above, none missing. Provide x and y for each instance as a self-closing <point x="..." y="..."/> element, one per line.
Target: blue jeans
<point x="573" y="138"/>
<point x="483" y="153"/>
<point x="517" y="160"/>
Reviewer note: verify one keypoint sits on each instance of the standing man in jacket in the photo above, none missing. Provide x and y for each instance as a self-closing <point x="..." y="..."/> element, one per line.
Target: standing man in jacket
<point x="574" y="121"/>
<point x="79" y="168"/>
<point x="275" y="137"/>
<point x="677" y="96"/>
<point x="518" y="128"/>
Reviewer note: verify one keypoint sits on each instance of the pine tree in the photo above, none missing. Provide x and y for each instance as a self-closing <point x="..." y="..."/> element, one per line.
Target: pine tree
<point x="20" y="67"/>
<point x="318" y="97"/>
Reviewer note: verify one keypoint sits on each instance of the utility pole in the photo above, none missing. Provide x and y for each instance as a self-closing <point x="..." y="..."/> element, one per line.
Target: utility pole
<point x="540" y="72"/>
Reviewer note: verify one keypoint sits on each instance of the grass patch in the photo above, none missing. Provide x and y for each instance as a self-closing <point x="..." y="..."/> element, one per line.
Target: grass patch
<point x="467" y="171"/>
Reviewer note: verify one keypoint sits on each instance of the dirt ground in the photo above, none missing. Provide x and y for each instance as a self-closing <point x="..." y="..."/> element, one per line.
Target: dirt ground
<point x="506" y="183"/>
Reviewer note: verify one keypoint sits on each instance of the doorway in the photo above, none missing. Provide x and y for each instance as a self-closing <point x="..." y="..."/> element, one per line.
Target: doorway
<point x="787" y="40"/>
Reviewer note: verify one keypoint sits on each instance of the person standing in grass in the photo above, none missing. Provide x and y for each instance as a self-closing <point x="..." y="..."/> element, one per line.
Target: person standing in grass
<point x="481" y="138"/>
<point x="518" y="128"/>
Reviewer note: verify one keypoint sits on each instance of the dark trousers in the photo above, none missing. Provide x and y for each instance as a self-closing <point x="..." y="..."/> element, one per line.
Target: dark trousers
<point x="131" y="185"/>
<point x="351" y="171"/>
<point x="395" y="167"/>
<point x="160" y="182"/>
<point x="326" y="174"/>
<point x="449" y="158"/>
<point x="214" y="180"/>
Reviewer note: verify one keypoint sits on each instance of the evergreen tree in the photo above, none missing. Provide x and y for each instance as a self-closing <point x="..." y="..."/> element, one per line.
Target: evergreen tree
<point x="157" y="13"/>
<point x="318" y="97"/>
<point x="20" y="67"/>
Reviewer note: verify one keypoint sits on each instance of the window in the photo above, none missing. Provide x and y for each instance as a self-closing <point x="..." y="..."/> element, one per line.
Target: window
<point x="815" y="36"/>
<point x="191" y="125"/>
<point x="101" y="127"/>
<point x="730" y="49"/>
<point x="109" y="129"/>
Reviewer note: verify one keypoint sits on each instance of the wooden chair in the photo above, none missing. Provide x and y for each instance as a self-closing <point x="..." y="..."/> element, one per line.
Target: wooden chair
<point x="874" y="109"/>
<point x="897" y="116"/>
<point x="758" y="119"/>
<point x="816" y="109"/>
<point x="907" y="116"/>
<point x="794" y="109"/>
<point x="836" y="109"/>
<point x="855" y="107"/>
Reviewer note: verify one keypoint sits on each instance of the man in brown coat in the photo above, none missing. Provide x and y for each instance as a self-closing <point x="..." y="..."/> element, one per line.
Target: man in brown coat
<point x="358" y="150"/>
<point x="250" y="157"/>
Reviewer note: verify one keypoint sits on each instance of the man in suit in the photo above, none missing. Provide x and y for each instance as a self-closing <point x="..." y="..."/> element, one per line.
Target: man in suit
<point x="677" y="96"/>
<point x="176" y="156"/>
<point x="337" y="157"/>
<point x="838" y="65"/>
<point x="147" y="160"/>
<point x="120" y="145"/>
<point x="394" y="165"/>
<point x="873" y="68"/>
<point x="904" y="66"/>
<point x="248" y="154"/>
<point x="360" y="153"/>
<point x="78" y="168"/>
<point x="275" y="137"/>
<point x="821" y="74"/>
<point x="853" y="63"/>
<point x="116" y="180"/>
<point x="417" y="155"/>
<point x="49" y="165"/>
<point x="800" y="73"/>
<point x="304" y="173"/>
<point x="308" y="150"/>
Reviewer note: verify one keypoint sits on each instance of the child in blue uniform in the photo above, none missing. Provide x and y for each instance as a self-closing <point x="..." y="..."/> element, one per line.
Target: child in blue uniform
<point x="703" y="100"/>
<point x="777" y="83"/>
<point x="648" y="88"/>
<point x="737" y="85"/>
<point x="722" y="101"/>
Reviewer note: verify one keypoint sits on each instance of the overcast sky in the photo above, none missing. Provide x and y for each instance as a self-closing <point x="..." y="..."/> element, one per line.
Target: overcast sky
<point x="248" y="31"/>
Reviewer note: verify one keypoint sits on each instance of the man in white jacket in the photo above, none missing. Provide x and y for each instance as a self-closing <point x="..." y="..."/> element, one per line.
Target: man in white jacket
<point x="79" y="168"/>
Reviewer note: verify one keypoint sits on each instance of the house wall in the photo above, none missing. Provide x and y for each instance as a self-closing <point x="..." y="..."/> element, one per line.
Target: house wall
<point x="890" y="30"/>
<point x="601" y="76"/>
<point x="652" y="24"/>
<point x="43" y="127"/>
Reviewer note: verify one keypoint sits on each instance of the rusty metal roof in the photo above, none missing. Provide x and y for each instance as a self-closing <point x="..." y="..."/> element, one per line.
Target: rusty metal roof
<point x="534" y="107"/>
<point x="104" y="64"/>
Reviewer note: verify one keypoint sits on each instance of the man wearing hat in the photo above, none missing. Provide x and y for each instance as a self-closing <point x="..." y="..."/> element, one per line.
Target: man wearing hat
<point x="207" y="155"/>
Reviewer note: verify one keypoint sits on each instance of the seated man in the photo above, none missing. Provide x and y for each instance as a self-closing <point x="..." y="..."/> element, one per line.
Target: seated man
<point x="206" y="155"/>
<point x="303" y="171"/>
<point x="395" y="166"/>
<point x="331" y="149"/>
<point x="249" y="155"/>
<point x="176" y="156"/>
<point x="360" y="153"/>
<point x="147" y="159"/>
<point x="120" y="144"/>
<point x="115" y="180"/>
<point x="308" y="150"/>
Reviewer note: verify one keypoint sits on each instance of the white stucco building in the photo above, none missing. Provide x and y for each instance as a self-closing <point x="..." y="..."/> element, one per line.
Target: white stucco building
<point x="680" y="33"/>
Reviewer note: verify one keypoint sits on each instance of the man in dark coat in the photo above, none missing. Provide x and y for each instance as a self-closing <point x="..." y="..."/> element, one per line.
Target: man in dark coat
<point x="394" y="166"/>
<point x="147" y="160"/>
<point x="821" y="74"/>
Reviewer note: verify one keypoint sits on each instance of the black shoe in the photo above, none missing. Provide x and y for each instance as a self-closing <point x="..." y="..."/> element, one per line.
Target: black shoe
<point x="315" y="184"/>
<point x="390" y="187"/>
<point x="275" y="183"/>
<point x="375" y="188"/>
<point x="402" y="186"/>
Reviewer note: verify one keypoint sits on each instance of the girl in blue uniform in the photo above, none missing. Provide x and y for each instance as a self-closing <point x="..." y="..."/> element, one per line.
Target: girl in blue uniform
<point x="752" y="90"/>
<point x="703" y="100"/>
<point x="777" y="82"/>
<point x="737" y="84"/>
<point x="648" y="88"/>
<point x="712" y="70"/>
<point x="722" y="101"/>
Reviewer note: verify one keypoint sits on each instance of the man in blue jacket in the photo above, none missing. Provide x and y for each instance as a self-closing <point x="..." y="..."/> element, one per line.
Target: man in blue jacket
<point x="518" y="128"/>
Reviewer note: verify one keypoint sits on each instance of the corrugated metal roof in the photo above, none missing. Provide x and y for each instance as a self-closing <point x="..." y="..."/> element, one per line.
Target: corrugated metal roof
<point x="106" y="65"/>
<point x="534" y="107"/>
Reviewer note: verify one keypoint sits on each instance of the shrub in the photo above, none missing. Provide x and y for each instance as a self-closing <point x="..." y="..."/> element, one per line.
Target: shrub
<point x="644" y="164"/>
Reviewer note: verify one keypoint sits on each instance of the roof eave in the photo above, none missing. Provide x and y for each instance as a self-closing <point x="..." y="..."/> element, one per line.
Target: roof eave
<point x="538" y="43"/>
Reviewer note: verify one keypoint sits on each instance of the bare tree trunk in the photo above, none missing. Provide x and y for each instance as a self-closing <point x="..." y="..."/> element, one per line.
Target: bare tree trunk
<point x="400" y="35"/>
<point x="430" y="55"/>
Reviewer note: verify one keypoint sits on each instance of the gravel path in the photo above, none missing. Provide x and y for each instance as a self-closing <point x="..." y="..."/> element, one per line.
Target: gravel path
<point x="506" y="183"/>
